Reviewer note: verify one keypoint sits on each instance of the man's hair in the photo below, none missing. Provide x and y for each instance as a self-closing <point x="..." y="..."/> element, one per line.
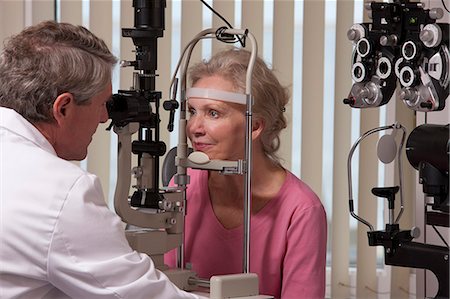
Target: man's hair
<point x="270" y="97"/>
<point x="48" y="59"/>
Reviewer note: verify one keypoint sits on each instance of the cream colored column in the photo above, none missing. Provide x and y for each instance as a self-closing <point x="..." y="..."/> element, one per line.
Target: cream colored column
<point x="98" y="160"/>
<point x="367" y="203"/>
<point x="164" y="74"/>
<point x="191" y="25"/>
<point x="126" y="44"/>
<point x="226" y="9"/>
<point x="253" y="20"/>
<point x="367" y="206"/>
<point x="12" y="19"/>
<point x="340" y="231"/>
<point x="127" y="52"/>
<point x="398" y="110"/>
<point x="283" y="62"/>
<point x="42" y="10"/>
<point x="71" y="11"/>
<point x="312" y="93"/>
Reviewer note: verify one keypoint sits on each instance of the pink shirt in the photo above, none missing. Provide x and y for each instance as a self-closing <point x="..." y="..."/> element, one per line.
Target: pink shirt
<point x="288" y="240"/>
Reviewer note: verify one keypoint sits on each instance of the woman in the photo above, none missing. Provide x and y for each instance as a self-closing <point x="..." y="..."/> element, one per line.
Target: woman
<point x="288" y="223"/>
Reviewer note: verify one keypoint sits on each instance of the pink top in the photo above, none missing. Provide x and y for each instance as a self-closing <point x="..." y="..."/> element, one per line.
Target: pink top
<point x="288" y="240"/>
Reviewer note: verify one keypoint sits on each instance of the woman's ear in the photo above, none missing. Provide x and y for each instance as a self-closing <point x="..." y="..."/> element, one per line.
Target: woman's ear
<point x="257" y="127"/>
<point x="61" y="106"/>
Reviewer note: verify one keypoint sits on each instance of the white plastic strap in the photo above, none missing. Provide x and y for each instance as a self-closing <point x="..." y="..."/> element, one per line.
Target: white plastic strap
<point x="218" y="95"/>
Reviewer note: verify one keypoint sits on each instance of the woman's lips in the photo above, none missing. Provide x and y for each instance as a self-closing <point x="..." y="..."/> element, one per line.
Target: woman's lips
<point x="198" y="146"/>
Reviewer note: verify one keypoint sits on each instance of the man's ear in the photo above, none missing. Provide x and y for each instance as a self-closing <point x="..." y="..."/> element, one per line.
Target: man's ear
<point x="61" y="106"/>
<point x="257" y="127"/>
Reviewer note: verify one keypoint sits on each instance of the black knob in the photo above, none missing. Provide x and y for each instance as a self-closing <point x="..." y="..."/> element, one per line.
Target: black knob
<point x="427" y="105"/>
<point x="170" y="105"/>
<point x="348" y="101"/>
<point x="386" y="192"/>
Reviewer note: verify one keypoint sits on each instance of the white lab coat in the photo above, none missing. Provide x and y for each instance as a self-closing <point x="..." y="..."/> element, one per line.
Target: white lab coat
<point x="58" y="239"/>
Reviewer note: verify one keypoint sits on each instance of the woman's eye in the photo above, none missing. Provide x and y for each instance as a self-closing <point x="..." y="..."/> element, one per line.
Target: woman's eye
<point x="192" y="111"/>
<point x="214" y="113"/>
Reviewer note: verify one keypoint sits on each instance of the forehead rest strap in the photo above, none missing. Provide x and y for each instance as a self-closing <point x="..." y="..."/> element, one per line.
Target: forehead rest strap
<point x="217" y="95"/>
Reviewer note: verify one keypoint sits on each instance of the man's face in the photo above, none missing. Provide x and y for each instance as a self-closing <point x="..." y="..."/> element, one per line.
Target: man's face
<point x="80" y="124"/>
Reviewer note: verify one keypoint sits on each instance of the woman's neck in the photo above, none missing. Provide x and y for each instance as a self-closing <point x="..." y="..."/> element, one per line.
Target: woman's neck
<point x="267" y="179"/>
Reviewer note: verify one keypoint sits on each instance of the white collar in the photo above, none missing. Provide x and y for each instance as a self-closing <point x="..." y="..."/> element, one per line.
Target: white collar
<point x="17" y="124"/>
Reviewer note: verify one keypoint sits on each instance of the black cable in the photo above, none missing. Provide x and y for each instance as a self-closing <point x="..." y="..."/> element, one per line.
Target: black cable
<point x="55" y="11"/>
<point x="219" y="32"/>
<point x="440" y="236"/>
<point x="445" y="7"/>
<point x="229" y="38"/>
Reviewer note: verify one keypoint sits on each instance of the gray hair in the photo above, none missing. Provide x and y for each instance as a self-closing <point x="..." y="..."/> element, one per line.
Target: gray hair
<point x="48" y="59"/>
<point x="270" y="97"/>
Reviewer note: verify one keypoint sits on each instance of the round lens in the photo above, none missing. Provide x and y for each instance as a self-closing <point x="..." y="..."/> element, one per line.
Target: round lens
<point x="384" y="67"/>
<point x="362" y="47"/>
<point x="409" y="50"/>
<point x="358" y="72"/>
<point x="406" y="77"/>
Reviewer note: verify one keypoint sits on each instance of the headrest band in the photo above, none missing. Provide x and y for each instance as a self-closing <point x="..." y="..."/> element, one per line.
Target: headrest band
<point x="218" y="95"/>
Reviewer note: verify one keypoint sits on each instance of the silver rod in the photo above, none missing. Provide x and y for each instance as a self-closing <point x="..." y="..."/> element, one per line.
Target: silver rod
<point x="349" y="170"/>
<point x="247" y="187"/>
<point x="361" y="220"/>
<point x="248" y="156"/>
<point x="182" y="147"/>
<point x="199" y="282"/>
<point x="180" y="249"/>
<point x="400" y="171"/>
<point x="391" y="216"/>
<point x="180" y="255"/>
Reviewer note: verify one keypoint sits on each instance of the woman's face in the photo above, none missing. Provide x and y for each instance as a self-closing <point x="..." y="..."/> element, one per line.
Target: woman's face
<point x="216" y="128"/>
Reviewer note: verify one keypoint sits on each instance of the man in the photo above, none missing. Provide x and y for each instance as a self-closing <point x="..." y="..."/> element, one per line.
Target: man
<point x="57" y="237"/>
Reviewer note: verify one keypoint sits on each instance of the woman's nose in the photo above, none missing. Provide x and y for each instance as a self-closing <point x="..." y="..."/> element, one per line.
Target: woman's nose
<point x="195" y="125"/>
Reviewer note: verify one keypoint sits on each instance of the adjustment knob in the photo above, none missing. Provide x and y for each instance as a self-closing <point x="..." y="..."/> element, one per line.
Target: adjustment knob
<point x="426" y="105"/>
<point x="388" y="193"/>
<point x="349" y="101"/>
<point x="125" y="63"/>
<point x="415" y="232"/>
<point x="436" y="13"/>
<point x="409" y="96"/>
<point x="388" y="40"/>
<point x="407" y="93"/>
<point x="170" y="105"/>
<point x="356" y="32"/>
<point x="426" y="36"/>
<point x="385" y="191"/>
<point x="431" y="36"/>
<point x="353" y="35"/>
